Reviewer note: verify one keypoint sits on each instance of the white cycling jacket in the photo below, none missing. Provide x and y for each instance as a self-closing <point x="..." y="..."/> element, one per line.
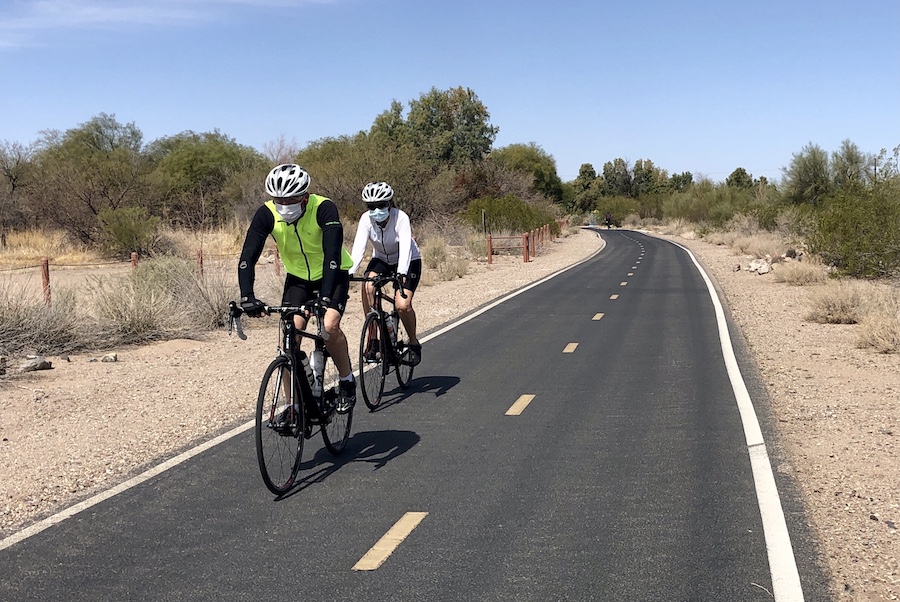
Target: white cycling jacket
<point x="392" y="243"/>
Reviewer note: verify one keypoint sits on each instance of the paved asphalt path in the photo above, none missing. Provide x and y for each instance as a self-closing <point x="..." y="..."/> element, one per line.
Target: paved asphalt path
<point x="625" y="477"/>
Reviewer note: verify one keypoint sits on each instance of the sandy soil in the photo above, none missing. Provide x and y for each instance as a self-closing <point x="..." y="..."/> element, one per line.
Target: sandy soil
<point x="836" y="408"/>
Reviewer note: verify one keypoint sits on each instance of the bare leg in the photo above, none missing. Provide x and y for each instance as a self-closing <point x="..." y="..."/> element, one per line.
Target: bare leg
<point x="407" y="315"/>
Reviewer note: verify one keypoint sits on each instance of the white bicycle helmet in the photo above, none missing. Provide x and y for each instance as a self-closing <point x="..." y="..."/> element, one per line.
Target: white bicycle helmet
<point x="377" y="192"/>
<point x="287" y="180"/>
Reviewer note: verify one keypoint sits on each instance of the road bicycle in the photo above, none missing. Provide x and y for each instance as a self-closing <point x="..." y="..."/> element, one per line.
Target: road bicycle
<point x="384" y="344"/>
<point x="298" y="397"/>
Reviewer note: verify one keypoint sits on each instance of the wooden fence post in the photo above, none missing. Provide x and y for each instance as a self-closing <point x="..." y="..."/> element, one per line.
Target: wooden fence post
<point x="525" y="248"/>
<point x="134" y="260"/>
<point x="45" y="279"/>
<point x="490" y="250"/>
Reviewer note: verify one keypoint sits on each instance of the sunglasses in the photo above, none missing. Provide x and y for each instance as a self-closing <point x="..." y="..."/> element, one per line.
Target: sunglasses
<point x="381" y="205"/>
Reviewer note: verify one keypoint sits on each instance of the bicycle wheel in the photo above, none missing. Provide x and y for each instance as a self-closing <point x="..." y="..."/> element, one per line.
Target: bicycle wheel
<point x="371" y="369"/>
<point x="279" y="439"/>
<point x="404" y="370"/>
<point x="336" y="427"/>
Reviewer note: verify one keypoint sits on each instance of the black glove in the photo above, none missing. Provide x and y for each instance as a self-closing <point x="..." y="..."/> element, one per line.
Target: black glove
<point x="252" y="306"/>
<point x="324" y="303"/>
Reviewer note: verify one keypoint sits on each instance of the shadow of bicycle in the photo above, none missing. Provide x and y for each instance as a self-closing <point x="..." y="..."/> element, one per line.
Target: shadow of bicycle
<point x="436" y="385"/>
<point x="373" y="447"/>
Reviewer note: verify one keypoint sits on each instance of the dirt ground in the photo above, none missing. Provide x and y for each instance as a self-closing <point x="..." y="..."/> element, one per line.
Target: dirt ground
<point x="836" y="407"/>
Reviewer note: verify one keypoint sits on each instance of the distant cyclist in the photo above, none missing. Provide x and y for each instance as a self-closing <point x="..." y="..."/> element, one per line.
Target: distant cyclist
<point x="308" y="233"/>
<point x="394" y="251"/>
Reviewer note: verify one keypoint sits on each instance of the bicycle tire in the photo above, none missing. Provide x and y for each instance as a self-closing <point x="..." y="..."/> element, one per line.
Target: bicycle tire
<point x="336" y="427"/>
<point x="404" y="370"/>
<point x="371" y="371"/>
<point x="278" y="450"/>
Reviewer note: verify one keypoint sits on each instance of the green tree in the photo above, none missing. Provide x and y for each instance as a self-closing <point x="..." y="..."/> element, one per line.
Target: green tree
<point x="618" y="178"/>
<point x="739" y="178"/>
<point x="16" y="172"/>
<point x="447" y="126"/>
<point x="679" y="182"/>
<point x="98" y="165"/>
<point x="848" y="164"/>
<point x="808" y="178"/>
<point x="532" y="159"/>
<point x="647" y="178"/>
<point x="194" y="176"/>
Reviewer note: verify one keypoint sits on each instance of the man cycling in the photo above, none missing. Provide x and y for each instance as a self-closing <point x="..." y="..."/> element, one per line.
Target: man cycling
<point x="308" y="233"/>
<point x="394" y="251"/>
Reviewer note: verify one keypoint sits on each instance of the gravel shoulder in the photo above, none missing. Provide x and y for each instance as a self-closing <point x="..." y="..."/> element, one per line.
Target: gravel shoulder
<point x="836" y="407"/>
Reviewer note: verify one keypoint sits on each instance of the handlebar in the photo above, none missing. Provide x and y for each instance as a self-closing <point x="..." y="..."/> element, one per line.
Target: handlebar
<point x="312" y="307"/>
<point x="380" y="281"/>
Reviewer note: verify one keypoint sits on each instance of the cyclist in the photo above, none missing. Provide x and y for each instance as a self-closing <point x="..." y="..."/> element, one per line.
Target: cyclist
<point x="394" y="251"/>
<point x="309" y="236"/>
<point x="608" y="220"/>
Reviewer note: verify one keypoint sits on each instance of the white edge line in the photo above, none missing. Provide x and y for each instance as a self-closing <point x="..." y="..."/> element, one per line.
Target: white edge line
<point x="71" y="511"/>
<point x="105" y="495"/>
<point x="786" y="585"/>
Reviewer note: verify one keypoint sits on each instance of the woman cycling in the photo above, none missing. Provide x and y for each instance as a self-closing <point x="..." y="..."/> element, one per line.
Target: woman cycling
<point x="394" y="251"/>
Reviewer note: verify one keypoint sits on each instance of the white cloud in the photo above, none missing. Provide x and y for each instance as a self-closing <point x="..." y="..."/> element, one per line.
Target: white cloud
<point x="24" y="20"/>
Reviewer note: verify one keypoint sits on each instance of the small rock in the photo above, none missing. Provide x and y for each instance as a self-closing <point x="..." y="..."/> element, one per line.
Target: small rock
<point x="35" y="363"/>
<point x="110" y="357"/>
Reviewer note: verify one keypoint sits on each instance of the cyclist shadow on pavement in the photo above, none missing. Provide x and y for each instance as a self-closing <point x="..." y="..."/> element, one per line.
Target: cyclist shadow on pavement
<point x="374" y="447"/>
<point x="437" y="385"/>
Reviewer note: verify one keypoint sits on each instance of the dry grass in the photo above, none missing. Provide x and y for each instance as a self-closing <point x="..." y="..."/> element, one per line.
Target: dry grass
<point x="29" y="247"/>
<point x="801" y="273"/>
<point x="836" y="303"/>
<point x="879" y="325"/>
<point x="225" y="241"/>
<point x="30" y="326"/>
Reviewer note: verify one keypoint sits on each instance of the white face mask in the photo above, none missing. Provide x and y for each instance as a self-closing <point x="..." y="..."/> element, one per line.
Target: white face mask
<point x="379" y="215"/>
<point x="289" y="213"/>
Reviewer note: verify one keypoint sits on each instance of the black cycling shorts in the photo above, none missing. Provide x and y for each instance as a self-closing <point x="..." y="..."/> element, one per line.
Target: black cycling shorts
<point x="382" y="268"/>
<point x="298" y="291"/>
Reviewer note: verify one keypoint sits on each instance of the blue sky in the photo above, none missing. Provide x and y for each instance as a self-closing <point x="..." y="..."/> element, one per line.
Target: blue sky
<point x="700" y="86"/>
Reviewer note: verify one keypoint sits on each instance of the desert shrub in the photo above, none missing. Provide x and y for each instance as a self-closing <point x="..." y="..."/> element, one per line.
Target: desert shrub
<point x="858" y="231"/>
<point x="452" y="268"/>
<point x="508" y="212"/>
<point x="163" y="298"/>
<point x="29" y="325"/>
<point x="879" y="325"/>
<point x="836" y="303"/>
<point x="801" y="273"/>
<point x="127" y="230"/>
<point x="434" y="252"/>
<point x="476" y="246"/>
<point x="129" y="311"/>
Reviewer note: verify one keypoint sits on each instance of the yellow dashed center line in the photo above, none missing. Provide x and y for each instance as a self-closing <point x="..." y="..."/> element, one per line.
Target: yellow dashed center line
<point x="622" y="283"/>
<point x="520" y="404"/>
<point x="389" y="542"/>
<point x="570" y="348"/>
<point x="597" y="316"/>
<point x="631" y="273"/>
<point x="614" y="296"/>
